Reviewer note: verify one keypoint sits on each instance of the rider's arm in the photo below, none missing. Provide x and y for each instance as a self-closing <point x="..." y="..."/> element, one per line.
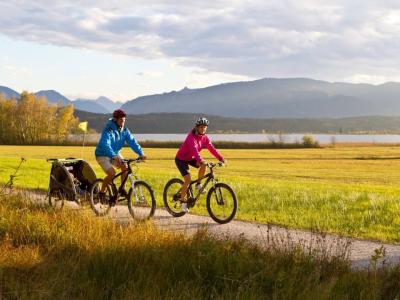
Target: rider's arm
<point x="105" y="142"/>
<point x="192" y="145"/>
<point x="132" y="142"/>
<point x="214" y="151"/>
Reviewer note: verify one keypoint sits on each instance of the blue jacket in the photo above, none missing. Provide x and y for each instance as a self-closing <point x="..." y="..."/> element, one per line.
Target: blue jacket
<point x="112" y="140"/>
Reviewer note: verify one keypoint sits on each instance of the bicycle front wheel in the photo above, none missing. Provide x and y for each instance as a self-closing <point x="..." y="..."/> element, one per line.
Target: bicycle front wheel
<point x="100" y="203"/>
<point x="141" y="201"/>
<point x="222" y="203"/>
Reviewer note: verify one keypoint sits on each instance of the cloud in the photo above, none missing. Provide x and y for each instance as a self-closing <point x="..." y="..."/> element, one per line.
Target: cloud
<point x="244" y="38"/>
<point x="151" y="74"/>
<point x="367" y="78"/>
<point x="17" y="70"/>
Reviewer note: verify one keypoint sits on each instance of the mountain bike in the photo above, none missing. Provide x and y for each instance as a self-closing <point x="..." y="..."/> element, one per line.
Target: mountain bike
<point x="221" y="200"/>
<point x="140" y="197"/>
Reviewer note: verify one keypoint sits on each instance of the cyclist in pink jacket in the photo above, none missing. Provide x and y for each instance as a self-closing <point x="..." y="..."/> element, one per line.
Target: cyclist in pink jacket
<point x="189" y="154"/>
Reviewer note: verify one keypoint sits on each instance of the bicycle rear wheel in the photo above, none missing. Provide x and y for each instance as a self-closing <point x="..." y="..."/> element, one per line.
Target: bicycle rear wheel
<point x="141" y="201"/>
<point x="222" y="203"/>
<point x="172" y="196"/>
<point x="100" y="204"/>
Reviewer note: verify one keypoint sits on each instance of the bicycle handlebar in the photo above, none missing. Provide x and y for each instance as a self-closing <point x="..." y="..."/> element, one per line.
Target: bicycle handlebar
<point x="135" y="160"/>
<point x="213" y="165"/>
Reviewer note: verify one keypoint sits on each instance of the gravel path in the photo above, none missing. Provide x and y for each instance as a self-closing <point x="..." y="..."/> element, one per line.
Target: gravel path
<point x="358" y="251"/>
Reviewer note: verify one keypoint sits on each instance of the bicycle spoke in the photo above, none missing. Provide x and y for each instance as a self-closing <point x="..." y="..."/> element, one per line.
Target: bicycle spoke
<point x="172" y="197"/>
<point x="141" y="201"/>
<point x="100" y="202"/>
<point x="222" y="203"/>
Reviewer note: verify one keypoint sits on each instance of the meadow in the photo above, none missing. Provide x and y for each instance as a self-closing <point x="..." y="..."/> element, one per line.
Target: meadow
<point x="352" y="191"/>
<point x="69" y="254"/>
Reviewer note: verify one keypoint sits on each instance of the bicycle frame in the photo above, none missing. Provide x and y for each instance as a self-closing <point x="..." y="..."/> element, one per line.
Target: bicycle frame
<point x="129" y="176"/>
<point x="209" y="176"/>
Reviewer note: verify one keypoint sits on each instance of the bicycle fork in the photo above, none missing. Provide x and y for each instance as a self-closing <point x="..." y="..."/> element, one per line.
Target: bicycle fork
<point x="139" y="197"/>
<point x="218" y="194"/>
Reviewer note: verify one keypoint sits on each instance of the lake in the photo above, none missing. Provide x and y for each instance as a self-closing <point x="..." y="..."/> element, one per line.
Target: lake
<point x="260" y="137"/>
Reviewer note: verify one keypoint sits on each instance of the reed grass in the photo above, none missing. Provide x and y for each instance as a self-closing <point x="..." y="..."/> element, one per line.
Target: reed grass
<point x="47" y="254"/>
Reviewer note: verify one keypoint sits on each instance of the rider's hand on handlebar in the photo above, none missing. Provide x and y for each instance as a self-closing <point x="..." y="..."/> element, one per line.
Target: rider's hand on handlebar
<point x="144" y="157"/>
<point x="223" y="162"/>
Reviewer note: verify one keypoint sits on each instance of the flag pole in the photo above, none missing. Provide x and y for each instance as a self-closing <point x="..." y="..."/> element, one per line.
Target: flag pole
<point x="83" y="126"/>
<point x="83" y="145"/>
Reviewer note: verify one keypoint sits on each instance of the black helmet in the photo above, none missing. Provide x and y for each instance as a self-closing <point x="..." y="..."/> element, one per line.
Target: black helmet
<point x="202" y="122"/>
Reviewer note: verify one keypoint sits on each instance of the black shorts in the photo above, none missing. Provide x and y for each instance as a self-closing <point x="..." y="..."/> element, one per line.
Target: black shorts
<point x="183" y="165"/>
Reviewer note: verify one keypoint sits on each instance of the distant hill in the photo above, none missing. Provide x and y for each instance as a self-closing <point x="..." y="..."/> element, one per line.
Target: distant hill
<point x="53" y="97"/>
<point x="298" y="98"/>
<point x="8" y="93"/>
<point x="89" y="106"/>
<point x="100" y="105"/>
<point x="108" y="103"/>
<point x="276" y="98"/>
<point x="182" y="123"/>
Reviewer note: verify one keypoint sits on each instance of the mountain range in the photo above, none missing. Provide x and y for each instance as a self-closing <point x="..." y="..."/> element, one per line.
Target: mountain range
<point x="8" y="93"/>
<point x="263" y="98"/>
<point x="101" y="105"/>
<point x="276" y="98"/>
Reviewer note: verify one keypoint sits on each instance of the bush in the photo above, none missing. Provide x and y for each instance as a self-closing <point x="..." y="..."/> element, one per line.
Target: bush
<point x="309" y="142"/>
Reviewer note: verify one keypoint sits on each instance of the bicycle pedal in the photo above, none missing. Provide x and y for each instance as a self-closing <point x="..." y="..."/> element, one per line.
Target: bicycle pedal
<point x="191" y="202"/>
<point x="177" y="197"/>
<point x="112" y="202"/>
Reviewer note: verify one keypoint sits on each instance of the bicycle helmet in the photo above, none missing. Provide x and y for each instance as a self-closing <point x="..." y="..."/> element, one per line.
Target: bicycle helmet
<point x="119" y="113"/>
<point x="202" y="122"/>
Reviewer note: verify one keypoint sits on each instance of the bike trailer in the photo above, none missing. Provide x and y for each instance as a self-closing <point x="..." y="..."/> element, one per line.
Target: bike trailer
<point x="70" y="178"/>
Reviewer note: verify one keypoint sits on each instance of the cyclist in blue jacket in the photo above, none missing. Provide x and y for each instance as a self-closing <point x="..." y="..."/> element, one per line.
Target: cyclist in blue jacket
<point x="113" y="137"/>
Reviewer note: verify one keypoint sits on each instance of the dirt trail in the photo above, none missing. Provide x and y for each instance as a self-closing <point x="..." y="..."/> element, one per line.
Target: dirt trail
<point x="359" y="251"/>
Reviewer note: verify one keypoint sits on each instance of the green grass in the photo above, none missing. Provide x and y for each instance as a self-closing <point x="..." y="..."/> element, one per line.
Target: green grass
<point x="354" y="191"/>
<point x="47" y="254"/>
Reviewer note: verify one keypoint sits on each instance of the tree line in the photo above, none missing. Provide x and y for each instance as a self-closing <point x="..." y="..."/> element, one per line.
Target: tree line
<point x="32" y="120"/>
<point x="183" y="122"/>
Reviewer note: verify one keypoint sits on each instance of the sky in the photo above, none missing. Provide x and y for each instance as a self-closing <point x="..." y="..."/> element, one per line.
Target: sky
<point x="125" y="49"/>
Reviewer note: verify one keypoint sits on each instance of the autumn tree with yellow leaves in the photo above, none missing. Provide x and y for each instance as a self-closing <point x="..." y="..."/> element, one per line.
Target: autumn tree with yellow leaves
<point x="32" y="120"/>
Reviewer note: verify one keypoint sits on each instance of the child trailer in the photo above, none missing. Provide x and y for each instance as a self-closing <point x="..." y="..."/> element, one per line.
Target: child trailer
<point x="70" y="180"/>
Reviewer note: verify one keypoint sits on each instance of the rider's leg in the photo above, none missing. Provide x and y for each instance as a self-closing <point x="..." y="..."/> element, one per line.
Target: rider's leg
<point x="107" y="180"/>
<point x="124" y="170"/>
<point x="186" y="182"/>
<point x="202" y="171"/>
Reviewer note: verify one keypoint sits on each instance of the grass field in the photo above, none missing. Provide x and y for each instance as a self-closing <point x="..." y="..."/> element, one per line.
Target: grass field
<point x="47" y="254"/>
<point x="354" y="191"/>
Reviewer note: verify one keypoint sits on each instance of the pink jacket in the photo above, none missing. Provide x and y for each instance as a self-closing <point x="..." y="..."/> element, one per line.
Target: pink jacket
<point x="193" y="144"/>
